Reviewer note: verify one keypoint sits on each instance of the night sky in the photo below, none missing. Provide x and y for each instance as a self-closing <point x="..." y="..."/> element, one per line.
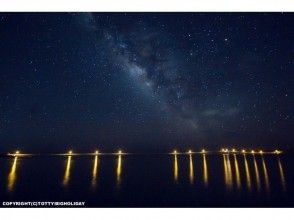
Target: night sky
<point x="145" y="81"/>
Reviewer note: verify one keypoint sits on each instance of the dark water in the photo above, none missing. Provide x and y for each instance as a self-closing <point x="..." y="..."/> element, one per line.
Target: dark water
<point x="151" y="180"/>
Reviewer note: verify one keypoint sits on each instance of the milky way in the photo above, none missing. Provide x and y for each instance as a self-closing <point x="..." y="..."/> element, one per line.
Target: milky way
<point x="189" y="84"/>
<point x="158" y="65"/>
<point x="151" y="63"/>
<point x="146" y="79"/>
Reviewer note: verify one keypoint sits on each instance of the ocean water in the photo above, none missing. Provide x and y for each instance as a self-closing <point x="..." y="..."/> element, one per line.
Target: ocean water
<point x="151" y="180"/>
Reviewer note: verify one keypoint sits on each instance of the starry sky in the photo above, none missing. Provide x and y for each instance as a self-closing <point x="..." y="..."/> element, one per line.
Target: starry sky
<point x="145" y="81"/>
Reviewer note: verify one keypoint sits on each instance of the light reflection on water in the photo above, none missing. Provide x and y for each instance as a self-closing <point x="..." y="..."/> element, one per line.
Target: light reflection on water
<point x="257" y="177"/>
<point x="94" y="173"/>
<point x="247" y="171"/>
<point x="228" y="176"/>
<point x="66" y="177"/>
<point x="12" y="176"/>
<point x="237" y="172"/>
<point x="191" y="169"/>
<point x="281" y="170"/>
<point x="266" y="178"/>
<point x="176" y="168"/>
<point x="119" y="170"/>
<point x="225" y="169"/>
<point x="205" y="170"/>
<point x="233" y="171"/>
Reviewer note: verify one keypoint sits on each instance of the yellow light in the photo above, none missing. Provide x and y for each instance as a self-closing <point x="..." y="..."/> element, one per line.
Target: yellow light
<point x="191" y="173"/>
<point x="67" y="171"/>
<point x="256" y="174"/>
<point x="203" y="151"/>
<point x="261" y="152"/>
<point x="237" y="172"/>
<point x="266" y="178"/>
<point x="96" y="152"/>
<point x="190" y="152"/>
<point x="252" y="151"/>
<point x="222" y="150"/>
<point x="12" y="175"/>
<point x="17" y="152"/>
<point x="94" y="173"/>
<point x="281" y="170"/>
<point x="225" y="169"/>
<point x="228" y="171"/>
<point x="119" y="152"/>
<point x="226" y="150"/>
<point x="277" y="151"/>
<point x="176" y="167"/>
<point x="70" y="152"/>
<point x="119" y="169"/>
<point x="233" y="150"/>
<point x="248" y="176"/>
<point x="205" y="170"/>
<point x="175" y="152"/>
<point x="243" y="151"/>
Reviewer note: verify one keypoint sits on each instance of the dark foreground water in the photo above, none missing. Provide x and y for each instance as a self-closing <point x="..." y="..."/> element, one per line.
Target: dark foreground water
<point x="151" y="180"/>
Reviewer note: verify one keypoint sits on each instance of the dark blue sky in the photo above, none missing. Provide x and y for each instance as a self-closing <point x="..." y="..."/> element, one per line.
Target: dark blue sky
<point x="145" y="81"/>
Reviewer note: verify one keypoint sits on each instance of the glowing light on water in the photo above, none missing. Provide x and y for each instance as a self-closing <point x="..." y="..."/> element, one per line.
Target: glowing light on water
<point x="229" y="172"/>
<point x="225" y="169"/>
<point x="237" y="172"/>
<point x="205" y="170"/>
<point x="282" y="176"/>
<point x="256" y="174"/>
<point x="266" y="178"/>
<point x="12" y="176"/>
<point x="247" y="170"/>
<point x="94" y="173"/>
<point x="67" y="171"/>
<point x="119" y="169"/>
<point x="191" y="173"/>
<point x="176" y="168"/>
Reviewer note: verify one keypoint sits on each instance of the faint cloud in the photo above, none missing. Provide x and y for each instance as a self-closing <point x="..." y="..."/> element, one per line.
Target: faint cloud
<point x="220" y="112"/>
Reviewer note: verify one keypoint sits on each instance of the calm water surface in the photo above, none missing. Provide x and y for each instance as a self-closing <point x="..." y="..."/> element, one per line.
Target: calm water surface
<point x="151" y="180"/>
